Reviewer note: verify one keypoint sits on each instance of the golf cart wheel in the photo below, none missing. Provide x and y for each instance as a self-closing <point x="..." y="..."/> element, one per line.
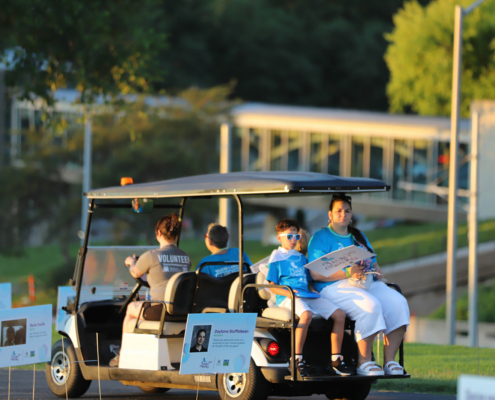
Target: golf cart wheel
<point x="357" y="391"/>
<point x="250" y="386"/>
<point x="63" y="375"/>
<point x="151" y="389"/>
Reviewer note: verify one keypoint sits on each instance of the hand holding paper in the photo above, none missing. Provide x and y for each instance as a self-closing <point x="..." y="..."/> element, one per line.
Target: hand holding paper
<point x="336" y="260"/>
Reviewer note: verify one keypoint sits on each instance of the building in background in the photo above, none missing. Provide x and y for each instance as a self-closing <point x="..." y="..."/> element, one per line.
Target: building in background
<point x="409" y="152"/>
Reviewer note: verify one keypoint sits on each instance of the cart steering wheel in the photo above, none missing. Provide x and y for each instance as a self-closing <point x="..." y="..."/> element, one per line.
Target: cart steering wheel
<point x="142" y="282"/>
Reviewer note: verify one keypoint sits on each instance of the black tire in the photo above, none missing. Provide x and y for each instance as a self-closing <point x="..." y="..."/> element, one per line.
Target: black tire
<point x="250" y="386"/>
<point x="357" y="391"/>
<point x="59" y="377"/>
<point x="150" y="389"/>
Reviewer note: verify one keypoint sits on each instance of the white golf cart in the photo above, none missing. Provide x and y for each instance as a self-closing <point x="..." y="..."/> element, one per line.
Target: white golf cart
<point x="151" y="351"/>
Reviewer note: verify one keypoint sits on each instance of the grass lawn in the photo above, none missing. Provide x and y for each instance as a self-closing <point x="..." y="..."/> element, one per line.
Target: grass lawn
<point x="435" y="369"/>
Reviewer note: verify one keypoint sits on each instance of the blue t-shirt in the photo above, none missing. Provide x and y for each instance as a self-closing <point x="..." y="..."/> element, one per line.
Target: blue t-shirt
<point x="290" y="272"/>
<point x="219" y="271"/>
<point x="325" y="241"/>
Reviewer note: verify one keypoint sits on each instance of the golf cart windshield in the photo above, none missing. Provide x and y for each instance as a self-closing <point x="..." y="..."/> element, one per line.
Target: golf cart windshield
<point x="105" y="274"/>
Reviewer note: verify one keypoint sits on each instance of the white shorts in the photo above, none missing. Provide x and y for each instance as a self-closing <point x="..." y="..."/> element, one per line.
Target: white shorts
<point x="378" y="309"/>
<point x="319" y="306"/>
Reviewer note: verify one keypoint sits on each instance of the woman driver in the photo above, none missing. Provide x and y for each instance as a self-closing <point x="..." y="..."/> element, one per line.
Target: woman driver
<point x="379" y="308"/>
<point x="160" y="265"/>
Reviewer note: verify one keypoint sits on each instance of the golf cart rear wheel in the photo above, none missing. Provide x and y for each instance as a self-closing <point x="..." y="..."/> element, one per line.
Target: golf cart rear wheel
<point x="150" y="389"/>
<point x="63" y="375"/>
<point x="250" y="386"/>
<point x="357" y="391"/>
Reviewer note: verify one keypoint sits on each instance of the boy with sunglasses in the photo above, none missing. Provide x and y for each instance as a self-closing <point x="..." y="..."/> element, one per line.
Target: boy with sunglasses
<point x="286" y="267"/>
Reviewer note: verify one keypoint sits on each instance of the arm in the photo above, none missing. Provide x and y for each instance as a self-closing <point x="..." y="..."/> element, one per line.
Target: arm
<point x="355" y="271"/>
<point x="280" y="291"/>
<point x="133" y="270"/>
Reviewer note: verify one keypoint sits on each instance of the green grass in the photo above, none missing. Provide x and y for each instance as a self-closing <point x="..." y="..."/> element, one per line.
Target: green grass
<point x="406" y="241"/>
<point x="435" y="368"/>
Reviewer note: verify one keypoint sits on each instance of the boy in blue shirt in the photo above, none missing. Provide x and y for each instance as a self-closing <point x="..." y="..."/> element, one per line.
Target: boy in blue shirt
<point x="216" y="240"/>
<point x="286" y="267"/>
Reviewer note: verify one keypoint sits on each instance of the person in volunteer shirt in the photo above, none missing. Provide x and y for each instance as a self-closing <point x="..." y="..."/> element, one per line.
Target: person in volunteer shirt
<point x="378" y="308"/>
<point x="216" y="240"/>
<point x="159" y="265"/>
<point x="286" y="267"/>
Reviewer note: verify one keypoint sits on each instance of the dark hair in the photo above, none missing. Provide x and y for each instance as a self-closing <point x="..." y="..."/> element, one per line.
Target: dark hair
<point x="219" y="235"/>
<point x="285" y="224"/>
<point x="340" y="197"/>
<point x="168" y="226"/>
<point x="356" y="233"/>
<point x="201" y="330"/>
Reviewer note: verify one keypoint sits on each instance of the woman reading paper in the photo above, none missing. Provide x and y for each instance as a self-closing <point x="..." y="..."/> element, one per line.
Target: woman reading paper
<point x="377" y="308"/>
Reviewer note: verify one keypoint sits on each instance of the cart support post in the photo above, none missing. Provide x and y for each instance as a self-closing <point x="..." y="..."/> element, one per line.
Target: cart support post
<point x="181" y="215"/>
<point x="83" y="255"/>
<point x="241" y="250"/>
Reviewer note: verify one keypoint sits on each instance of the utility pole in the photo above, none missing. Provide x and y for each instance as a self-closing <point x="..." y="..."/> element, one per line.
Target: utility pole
<point x="454" y="149"/>
<point x="86" y="178"/>
<point x="225" y="148"/>
<point x="473" y="234"/>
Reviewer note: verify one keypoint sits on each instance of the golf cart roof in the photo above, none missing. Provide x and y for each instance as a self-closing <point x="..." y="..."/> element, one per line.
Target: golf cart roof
<point x="242" y="183"/>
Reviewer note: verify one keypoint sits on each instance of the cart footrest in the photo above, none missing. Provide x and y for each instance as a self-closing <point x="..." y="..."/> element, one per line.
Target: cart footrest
<point x="321" y="378"/>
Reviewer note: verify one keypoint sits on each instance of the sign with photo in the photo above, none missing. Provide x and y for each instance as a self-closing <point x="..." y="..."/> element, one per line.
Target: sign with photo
<point x="25" y="335"/>
<point x="475" y="387"/>
<point x="67" y="296"/>
<point x="332" y="262"/>
<point x="217" y="343"/>
<point x="5" y="296"/>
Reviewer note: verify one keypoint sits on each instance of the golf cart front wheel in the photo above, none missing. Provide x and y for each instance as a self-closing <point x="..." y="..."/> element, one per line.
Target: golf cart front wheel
<point x="63" y="375"/>
<point x="250" y="386"/>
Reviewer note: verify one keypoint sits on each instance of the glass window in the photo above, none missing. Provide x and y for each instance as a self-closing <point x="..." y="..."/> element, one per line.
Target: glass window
<point x="463" y="174"/>
<point x="295" y="145"/>
<point x="334" y="146"/>
<point x="420" y="168"/>
<point x="376" y="157"/>
<point x="401" y="158"/>
<point x="254" y="149"/>
<point x="276" y="151"/>
<point x="316" y="152"/>
<point x="357" y="156"/>
<point x="442" y="177"/>
<point x="236" y="149"/>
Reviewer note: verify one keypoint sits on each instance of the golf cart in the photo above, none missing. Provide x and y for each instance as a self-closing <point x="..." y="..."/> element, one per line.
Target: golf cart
<point x="151" y="350"/>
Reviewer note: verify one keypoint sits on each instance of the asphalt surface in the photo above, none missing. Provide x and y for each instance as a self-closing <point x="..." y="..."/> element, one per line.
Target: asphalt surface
<point x="21" y="388"/>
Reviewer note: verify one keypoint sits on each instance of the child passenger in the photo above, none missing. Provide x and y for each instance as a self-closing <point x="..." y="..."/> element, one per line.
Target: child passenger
<point x="286" y="267"/>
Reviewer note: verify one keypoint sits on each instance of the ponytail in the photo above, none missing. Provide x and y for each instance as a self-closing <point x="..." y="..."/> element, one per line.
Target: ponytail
<point x="359" y="237"/>
<point x="168" y="226"/>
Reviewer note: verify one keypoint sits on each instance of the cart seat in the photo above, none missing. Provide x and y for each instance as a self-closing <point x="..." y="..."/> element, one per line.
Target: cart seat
<point x="169" y="328"/>
<point x="252" y="302"/>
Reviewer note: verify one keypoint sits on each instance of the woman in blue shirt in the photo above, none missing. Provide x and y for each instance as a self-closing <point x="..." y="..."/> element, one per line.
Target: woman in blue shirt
<point x="376" y="309"/>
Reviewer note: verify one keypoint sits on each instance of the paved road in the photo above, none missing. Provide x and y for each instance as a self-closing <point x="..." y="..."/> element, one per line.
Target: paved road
<point x="21" y="388"/>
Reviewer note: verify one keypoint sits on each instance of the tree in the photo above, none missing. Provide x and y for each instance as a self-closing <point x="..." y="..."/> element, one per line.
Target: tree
<point x="101" y="48"/>
<point x="322" y="53"/>
<point x="419" y="57"/>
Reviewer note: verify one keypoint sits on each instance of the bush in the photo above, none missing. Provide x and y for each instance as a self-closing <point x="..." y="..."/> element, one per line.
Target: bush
<point x="486" y="305"/>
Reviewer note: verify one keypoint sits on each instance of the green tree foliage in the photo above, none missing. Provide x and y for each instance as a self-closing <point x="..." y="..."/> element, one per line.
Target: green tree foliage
<point x="321" y="53"/>
<point x="149" y="139"/>
<point x="99" y="47"/>
<point x="419" y="57"/>
<point x="486" y="306"/>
